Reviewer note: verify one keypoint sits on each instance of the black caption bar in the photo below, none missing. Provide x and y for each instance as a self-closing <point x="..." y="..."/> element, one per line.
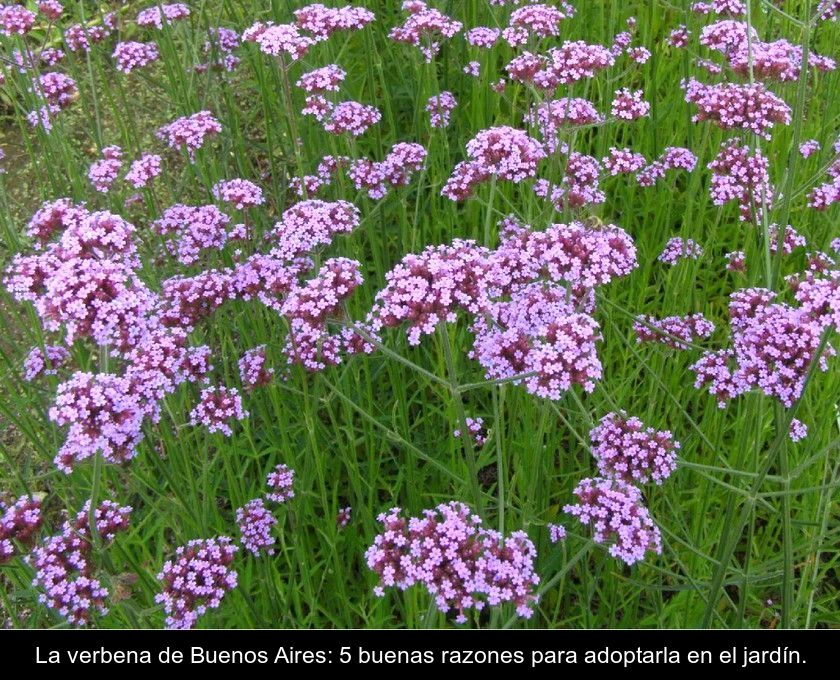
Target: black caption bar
<point x="541" y="649"/>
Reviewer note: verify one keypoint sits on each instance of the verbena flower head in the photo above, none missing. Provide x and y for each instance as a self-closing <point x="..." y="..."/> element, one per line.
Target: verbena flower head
<point x="217" y="406"/>
<point x="255" y="523"/>
<point x="322" y="22"/>
<point x="741" y="175"/>
<point x="16" y="20"/>
<point x="425" y="28"/>
<point x="279" y="40"/>
<point x="616" y="513"/>
<point x="797" y="430"/>
<point x="133" y="55"/>
<point x="242" y="193"/>
<point x="104" y="417"/>
<point x="19" y="523"/>
<point x="483" y="37"/>
<point x="157" y="16"/>
<point x="461" y="564"/>
<point x="629" y="105"/>
<point x="343" y="517"/>
<point x="280" y="482"/>
<point x="190" y="132"/>
<point x="674" y="331"/>
<point x="677" y="249"/>
<point x="540" y="20"/>
<point x="103" y="173"/>
<point x="194" y="228"/>
<point x="439" y="107"/>
<point x="506" y="152"/>
<point x="143" y="170"/>
<point x="196" y="580"/>
<point x="51" y="9"/>
<point x="774" y="346"/>
<point x="626" y="449"/>
<point x="351" y="117"/>
<point x="732" y="106"/>
<point x="623" y="161"/>
<point x="253" y="371"/>
<point x="46" y="361"/>
<point x="556" y="533"/>
<point x="310" y="224"/>
<point x="324" y="79"/>
<point x="430" y="288"/>
<point x="809" y="147"/>
<point x="791" y="240"/>
<point x="551" y="116"/>
<point x="64" y="568"/>
<point x="307" y="309"/>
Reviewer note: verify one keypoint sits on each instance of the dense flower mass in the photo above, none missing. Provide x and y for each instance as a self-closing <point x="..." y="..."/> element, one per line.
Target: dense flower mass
<point x="459" y="562"/>
<point x="732" y="106"/>
<point x="773" y="347"/>
<point x="196" y="580"/>
<point x="64" y="567"/>
<point x="104" y="416"/>
<point x="628" y="450"/>
<point x="616" y="513"/>
<point x="425" y="28"/>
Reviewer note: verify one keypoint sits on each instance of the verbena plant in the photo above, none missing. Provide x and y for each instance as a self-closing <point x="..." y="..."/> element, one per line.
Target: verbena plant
<point x="459" y="313"/>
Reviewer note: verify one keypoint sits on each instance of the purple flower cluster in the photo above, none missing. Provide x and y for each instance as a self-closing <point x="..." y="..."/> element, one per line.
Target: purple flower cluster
<point x="323" y="21"/>
<point x="739" y="175"/>
<point x="104" y="416"/>
<point x="19" y="523"/>
<point x="242" y="193"/>
<point x="425" y="28"/>
<point x="143" y="170"/>
<point x="16" y="20"/>
<point x="403" y="160"/>
<point x="476" y="431"/>
<point x="280" y="482"/>
<point x="279" y="40"/>
<point x="629" y="105"/>
<point x="677" y="249"/>
<point x="46" y="361"/>
<point x="103" y="173"/>
<point x="503" y="152"/>
<point x="440" y="106"/>
<point x="627" y="450"/>
<point x="194" y="229"/>
<point x="774" y="345"/>
<point x="64" y="568"/>
<point x="556" y="533"/>
<point x="731" y="106"/>
<point x="342" y="519"/>
<point x="190" y="132"/>
<point x="217" y="406"/>
<point x="159" y="15"/>
<point x="311" y="224"/>
<point x="564" y="65"/>
<point x="252" y="368"/>
<point x="551" y="116"/>
<point x="132" y="55"/>
<point x="616" y="513"/>
<point x="674" y="331"/>
<point x="255" y="523"/>
<point x="196" y="580"/>
<point x="461" y="564"/>
<point x="307" y="309"/>
<point x="324" y="79"/>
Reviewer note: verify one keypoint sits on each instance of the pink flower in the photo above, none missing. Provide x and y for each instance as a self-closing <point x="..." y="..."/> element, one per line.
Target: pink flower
<point x="255" y="523"/>
<point x="133" y="55"/>
<point x="190" y="132"/>
<point x="217" y="406"/>
<point x="280" y="482"/>
<point x="196" y="580"/>
<point x="616" y="513"/>
<point x="242" y="193"/>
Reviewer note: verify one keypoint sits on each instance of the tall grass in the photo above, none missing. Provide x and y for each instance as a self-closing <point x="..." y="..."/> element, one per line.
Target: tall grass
<point x="749" y="520"/>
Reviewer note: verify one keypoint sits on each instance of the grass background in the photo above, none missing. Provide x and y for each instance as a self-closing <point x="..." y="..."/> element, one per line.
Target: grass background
<point x="749" y="517"/>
